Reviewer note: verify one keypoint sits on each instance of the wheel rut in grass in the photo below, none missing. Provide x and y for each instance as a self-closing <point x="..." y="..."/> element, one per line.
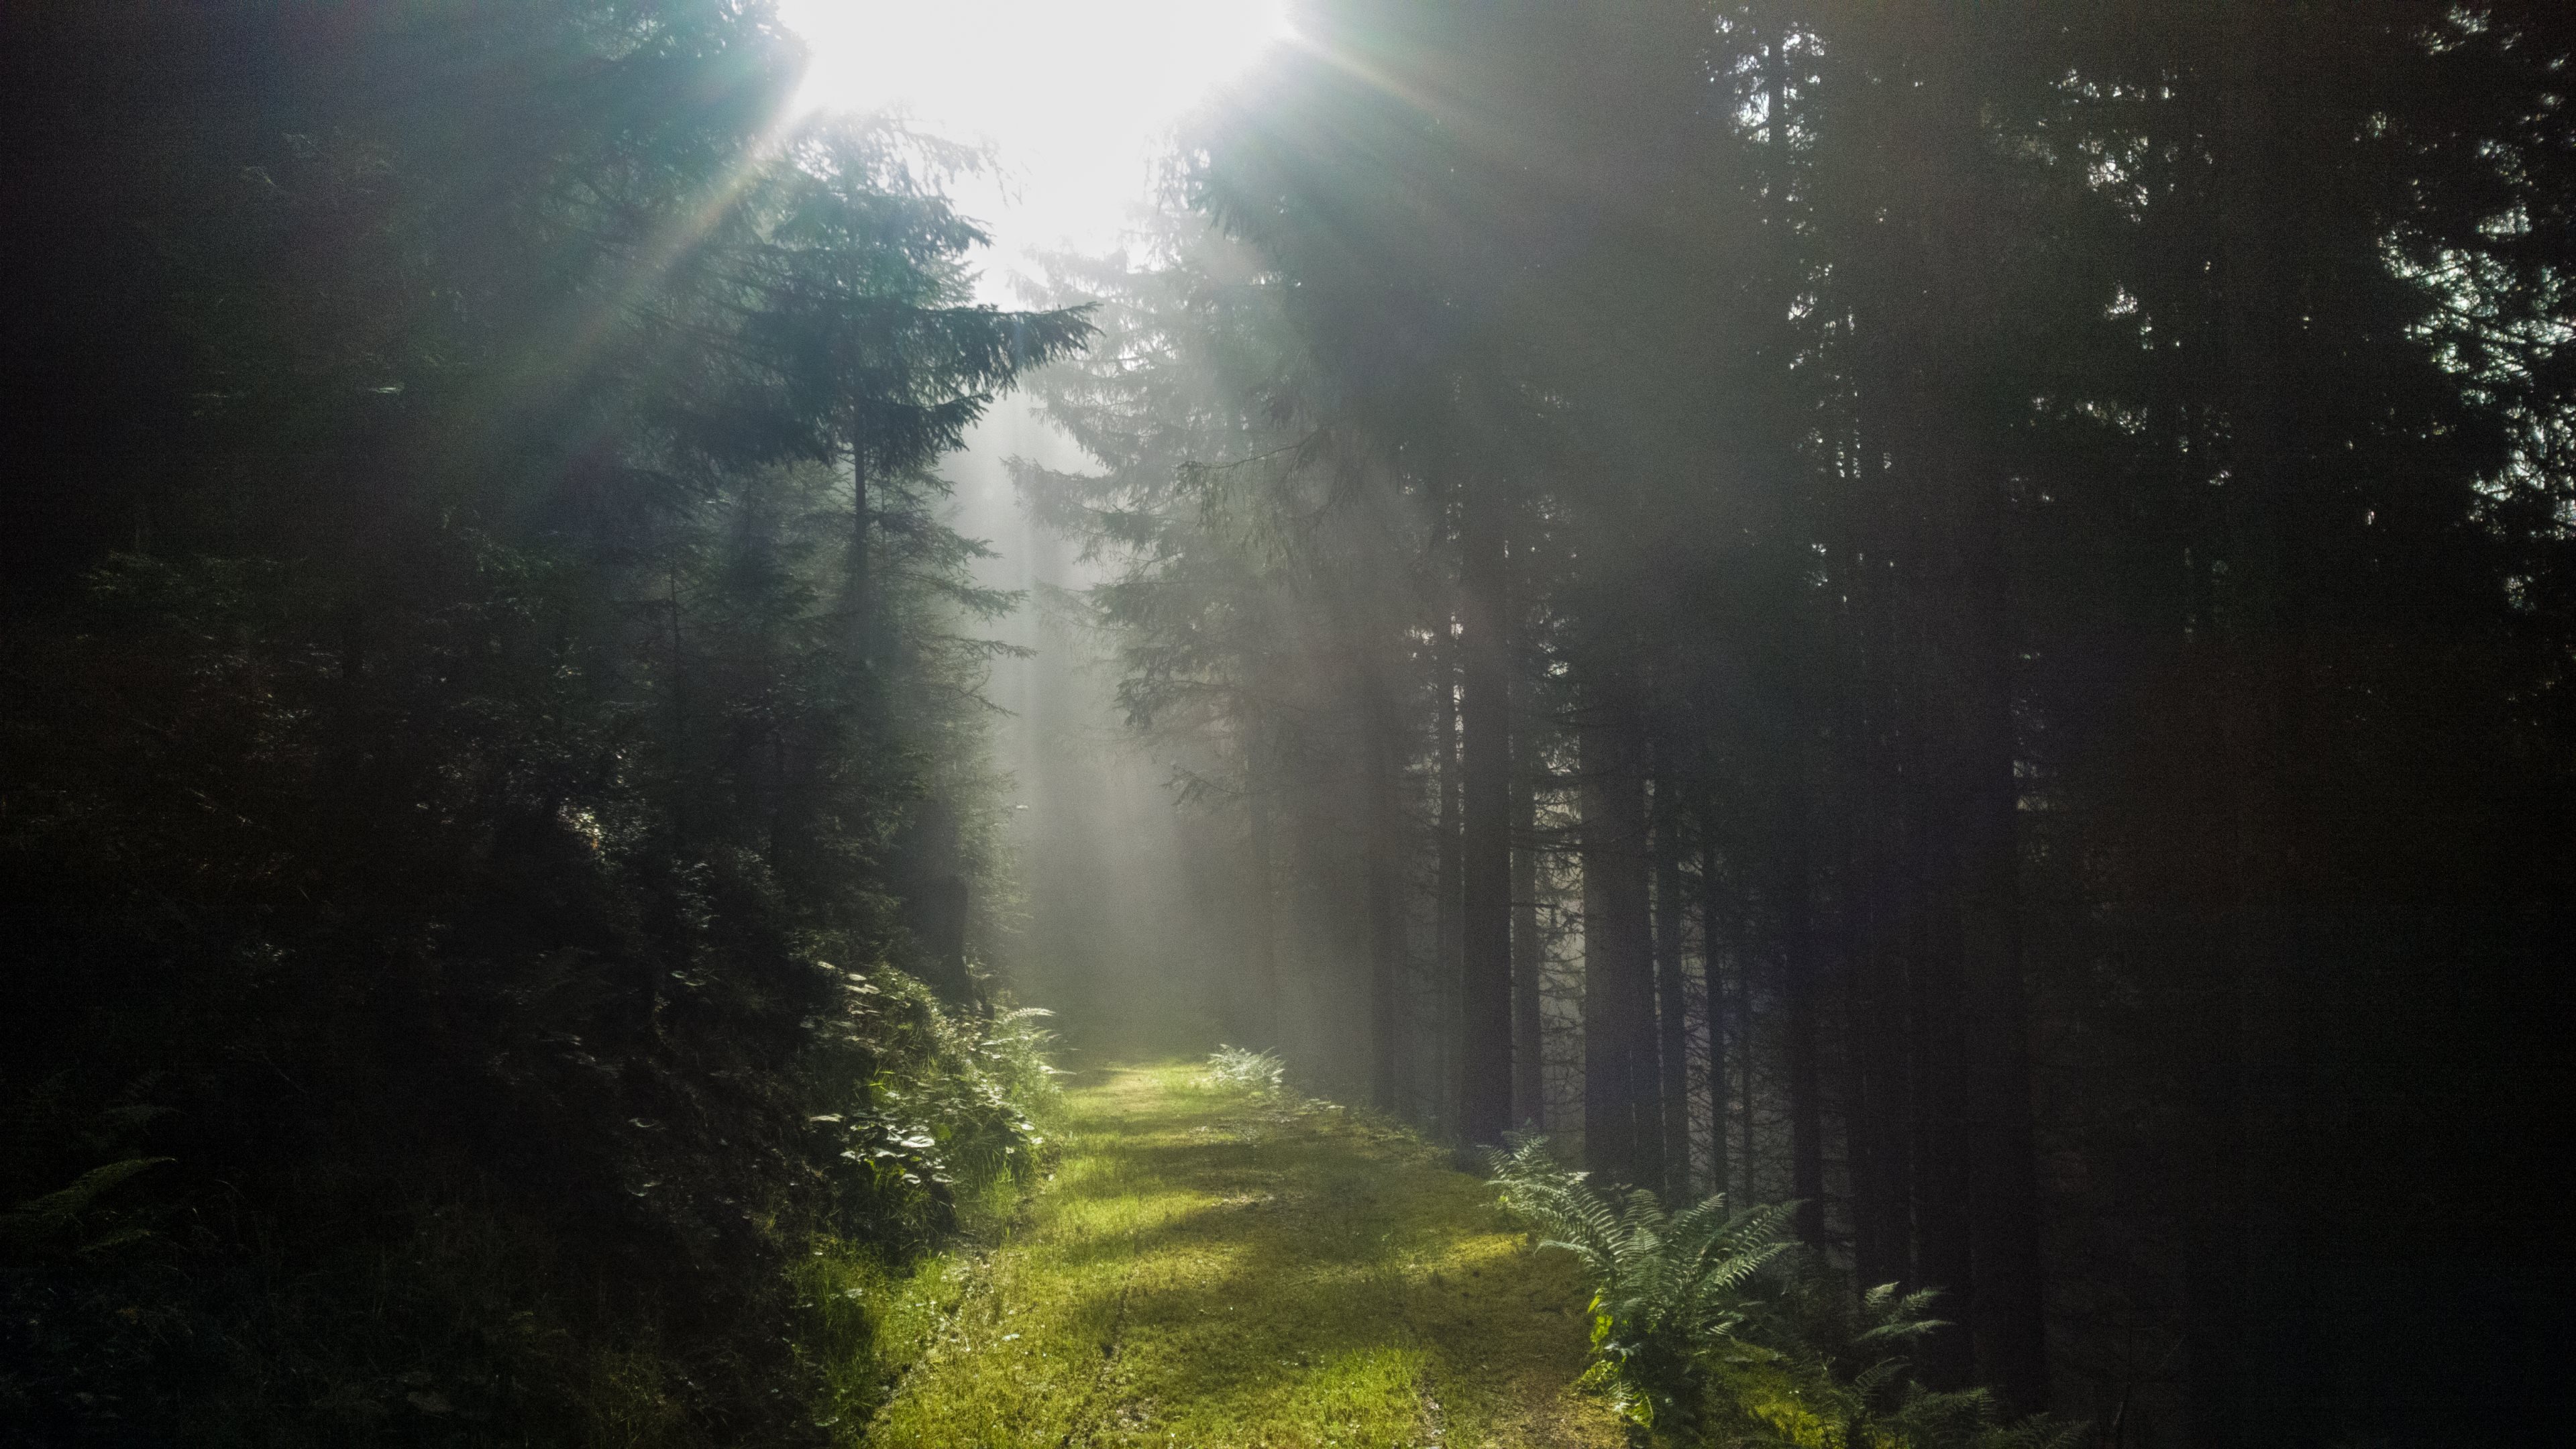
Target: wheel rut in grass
<point x="1215" y="1268"/>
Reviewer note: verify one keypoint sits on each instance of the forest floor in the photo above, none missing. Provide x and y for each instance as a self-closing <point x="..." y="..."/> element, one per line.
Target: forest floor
<point x="1213" y="1267"/>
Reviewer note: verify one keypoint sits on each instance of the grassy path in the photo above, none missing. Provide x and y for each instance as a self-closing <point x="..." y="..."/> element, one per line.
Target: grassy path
<point x="1214" y="1269"/>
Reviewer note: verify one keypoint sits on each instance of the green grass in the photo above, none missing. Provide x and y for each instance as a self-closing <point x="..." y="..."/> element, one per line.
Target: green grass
<point x="1223" y="1268"/>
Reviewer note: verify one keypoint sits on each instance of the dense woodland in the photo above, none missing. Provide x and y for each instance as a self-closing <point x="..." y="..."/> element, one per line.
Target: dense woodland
<point x="1958" y="614"/>
<point x="485" y="772"/>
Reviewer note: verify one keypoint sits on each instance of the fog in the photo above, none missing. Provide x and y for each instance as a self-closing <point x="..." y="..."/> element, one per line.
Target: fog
<point x="1122" y="900"/>
<point x="1102" y="908"/>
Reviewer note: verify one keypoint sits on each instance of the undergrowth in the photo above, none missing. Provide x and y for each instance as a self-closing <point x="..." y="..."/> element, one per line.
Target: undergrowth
<point x="1244" y="1069"/>
<point x="429" y="1299"/>
<point x="1710" y="1326"/>
<point x="866" y="1307"/>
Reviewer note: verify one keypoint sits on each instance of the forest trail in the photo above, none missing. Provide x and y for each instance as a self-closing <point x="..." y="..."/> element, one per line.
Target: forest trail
<point x="1218" y="1268"/>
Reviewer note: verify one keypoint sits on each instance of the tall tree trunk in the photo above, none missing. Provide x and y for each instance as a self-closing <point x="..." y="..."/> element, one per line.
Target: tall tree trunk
<point x="1486" y="875"/>
<point x="1442" y="1044"/>
<point x="1943" y="1258"/>
<point x="1745" y="1140"/>
<point x="1802" y="974"/>
<point x="2233" y="1334"/>
<point x="1528" y="953"/>
<point x="1672" y="1037"/>
<point x="1884" y="890"/>
<point x="863" y="594"/>
<point x="2010" y="1323"/>
<point x="1942" y="1243"/>
<point x="352" y="666"/>
<point x="1713" y="988"/>
<point x="1622" y="1123"/>
<point x="1792" y="884"/>
<point x="1260" y="954"/>
<point x="1883" y="1169"/>
<point x="1384" y="860"/>
<point x="1939" y="318"/>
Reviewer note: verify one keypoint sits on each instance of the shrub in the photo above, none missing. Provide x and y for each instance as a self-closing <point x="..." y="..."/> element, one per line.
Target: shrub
<point x="1243" y="1069"/>
<point x="1670" y="1289"/>
<point x="1710" y="1326"/>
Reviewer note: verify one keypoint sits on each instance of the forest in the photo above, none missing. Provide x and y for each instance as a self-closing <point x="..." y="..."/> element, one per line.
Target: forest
<point x="1748" y="649"/>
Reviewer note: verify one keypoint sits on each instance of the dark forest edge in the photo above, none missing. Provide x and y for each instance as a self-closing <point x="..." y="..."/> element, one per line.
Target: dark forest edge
<point x="1959" y="613"/>
<point x="481" y="794"/>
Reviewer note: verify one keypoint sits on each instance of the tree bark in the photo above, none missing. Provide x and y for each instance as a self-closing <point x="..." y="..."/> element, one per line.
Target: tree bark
<point x="1446" y="1039"/>
<point x="1883" y="1161"/>
<point x="862" y="580"/>
<point x="1672" y="1036"/>
<point x="1528" y="954"/>
<point x="1713" y="988"/>
<point x="2232" y="1335"/>
<point x="2010" y="1323"/>
<point x="1802" y="979"/>
<point x="1261" y="954"/>
<point x="1383" y="859"/>
<point x="1937" y="323"/>
<point x="1942" y="1244"/>
<point x="1622" y="1121"/>
<point x="1486" y="894"/>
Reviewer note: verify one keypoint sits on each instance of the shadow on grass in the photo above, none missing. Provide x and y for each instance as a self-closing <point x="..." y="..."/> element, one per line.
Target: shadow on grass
<point x="1329" y="1268"/>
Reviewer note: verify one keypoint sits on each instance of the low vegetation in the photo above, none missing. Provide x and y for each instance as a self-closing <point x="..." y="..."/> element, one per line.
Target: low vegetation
<point x="1242" y="1068"/>
<point x="1711" y="1326"/>
<point x="1215" y="1263"/>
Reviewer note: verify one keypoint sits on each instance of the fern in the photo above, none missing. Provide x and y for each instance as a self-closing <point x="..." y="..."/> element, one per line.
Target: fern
<point x="1699" y="1334"/>
<point x="68" y="1211"/>
<point x="1671" y="1289"/>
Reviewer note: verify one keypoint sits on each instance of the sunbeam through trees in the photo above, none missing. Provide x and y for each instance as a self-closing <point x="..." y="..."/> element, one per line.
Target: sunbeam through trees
<point x="1905" y="662"/>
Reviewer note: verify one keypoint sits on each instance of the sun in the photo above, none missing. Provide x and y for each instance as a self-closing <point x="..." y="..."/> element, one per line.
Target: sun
<point x="1008" y="64"/>
<point x="1071" y="95"/>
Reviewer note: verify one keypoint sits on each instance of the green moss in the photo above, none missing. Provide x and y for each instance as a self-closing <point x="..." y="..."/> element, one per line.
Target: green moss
<point x="1217" y="1268"/>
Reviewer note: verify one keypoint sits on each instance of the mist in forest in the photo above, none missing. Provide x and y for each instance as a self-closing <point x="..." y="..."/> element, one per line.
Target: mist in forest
<point x="1110" y="909"/>
<point x="633" y="628"/>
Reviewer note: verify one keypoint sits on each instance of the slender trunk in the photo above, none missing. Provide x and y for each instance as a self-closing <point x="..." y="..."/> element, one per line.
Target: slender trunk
<point x="1383" y="860"/>
<point x="1607" y="1148"/>
<point x="1941" y="1178"/>
<point x="1793" y="885"/>
<point x="1261" y="956"/>
<point x="1801" y="983"/>
<point x="2232" y="1334"/>
<point x="1529" y="955"/>
<point x="1885" y="890"/>
<point x="1672" y="1039"/>
<point x="1623" y="1128"/>
<point x="1978" y="1218"/>
<point x="1486" y="870"/>
<point x="1869" y="1063"/>
<point x="680" y="760"/>
<point x="1940" y="1141"/>
<point x="863" y="596"/>
<point x="2005" y="1227"/>
<point x="1713" y="991"/>
<point x="1744" y="1153"/>
<point x="1446" y="1014"/>
<point x="1883" y="1185"/>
